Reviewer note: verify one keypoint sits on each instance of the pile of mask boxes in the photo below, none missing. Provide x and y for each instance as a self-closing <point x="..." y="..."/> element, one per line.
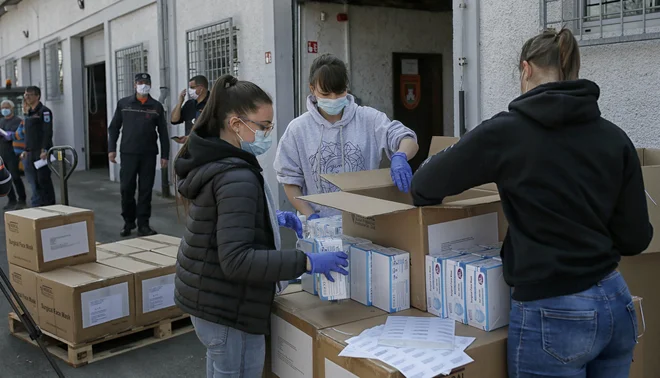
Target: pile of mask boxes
<point x="378" y="276"/>
<point x="79" y="291"/>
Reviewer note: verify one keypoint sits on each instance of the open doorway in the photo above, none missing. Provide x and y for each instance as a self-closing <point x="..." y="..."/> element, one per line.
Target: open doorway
<point x="97" y="117"/>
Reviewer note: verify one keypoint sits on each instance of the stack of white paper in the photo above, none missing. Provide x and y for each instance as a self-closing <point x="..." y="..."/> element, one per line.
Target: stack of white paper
<point x="411" y="361"/>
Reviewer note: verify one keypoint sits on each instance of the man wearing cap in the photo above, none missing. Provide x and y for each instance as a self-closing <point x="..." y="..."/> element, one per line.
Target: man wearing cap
<point x="141" y="120"/>
<point x="198" y="92"/>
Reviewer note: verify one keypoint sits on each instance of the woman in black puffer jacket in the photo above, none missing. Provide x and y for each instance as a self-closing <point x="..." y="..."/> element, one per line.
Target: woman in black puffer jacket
<point x="229" y="260"/>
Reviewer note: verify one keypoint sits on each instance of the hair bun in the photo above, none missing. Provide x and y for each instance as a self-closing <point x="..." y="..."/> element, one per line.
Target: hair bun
<point x="230" y="81"/>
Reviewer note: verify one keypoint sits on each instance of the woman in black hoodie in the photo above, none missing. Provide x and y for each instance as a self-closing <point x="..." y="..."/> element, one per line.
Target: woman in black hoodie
<point x="230" y="260"/>
<point x="572" y="191"/>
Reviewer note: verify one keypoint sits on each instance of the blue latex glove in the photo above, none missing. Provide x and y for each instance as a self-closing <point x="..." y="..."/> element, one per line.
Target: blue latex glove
<point x="290" y="220"/>
<point x="327" y="262"/>
<point x="401" y="172"/>
<point x="314" y="216"/>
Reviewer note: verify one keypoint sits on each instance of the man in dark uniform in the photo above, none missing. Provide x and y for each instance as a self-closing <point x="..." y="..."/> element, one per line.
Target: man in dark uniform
<point x="38" y="140"/>
<point x="198" y="94"/>
<point x="141" y="119"/>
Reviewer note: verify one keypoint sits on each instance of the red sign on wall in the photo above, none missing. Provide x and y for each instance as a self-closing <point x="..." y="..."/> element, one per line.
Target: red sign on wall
<point x="312" y="47"/>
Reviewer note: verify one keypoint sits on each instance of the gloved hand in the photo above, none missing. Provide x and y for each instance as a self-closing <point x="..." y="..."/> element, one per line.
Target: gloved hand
<point x="327" y="262"/>
<point x="401" y="172"/>
<point x="313" y="216"/>
<point x="290" y="220"/>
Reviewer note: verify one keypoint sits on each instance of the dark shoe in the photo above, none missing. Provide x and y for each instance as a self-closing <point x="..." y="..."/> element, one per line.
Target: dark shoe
<point x="10" y="206"/>
<point x="146" y="231"/>
<point x="126" y="231"/>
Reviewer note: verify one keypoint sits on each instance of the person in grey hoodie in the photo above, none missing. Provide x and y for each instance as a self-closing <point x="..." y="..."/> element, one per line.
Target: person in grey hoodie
<point x="336" y="135"/>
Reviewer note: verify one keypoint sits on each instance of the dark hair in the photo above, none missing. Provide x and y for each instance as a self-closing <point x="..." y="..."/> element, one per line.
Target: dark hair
<point x="34" y="90"/>
<point x="329" y="73"/>
<point x="201" y="80"/>
<point x="557" y="50"/>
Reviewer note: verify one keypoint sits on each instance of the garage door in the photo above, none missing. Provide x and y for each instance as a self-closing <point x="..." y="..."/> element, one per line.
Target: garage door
<point x="94" y="48"/>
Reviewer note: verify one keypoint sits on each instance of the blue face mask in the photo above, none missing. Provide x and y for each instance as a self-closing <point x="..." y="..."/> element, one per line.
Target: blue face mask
<point x="6" y="112"/>
<point x="261" y="142"/>
<point x="332" y="106"/>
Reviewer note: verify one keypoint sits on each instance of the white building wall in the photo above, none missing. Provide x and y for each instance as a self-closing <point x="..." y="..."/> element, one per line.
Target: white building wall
<point x="375" y="33"/>
<point x="625" y="72"/>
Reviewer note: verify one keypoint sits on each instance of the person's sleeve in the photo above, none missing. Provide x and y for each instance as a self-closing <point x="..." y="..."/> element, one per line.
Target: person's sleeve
<point x="5" y="179"/>
<point x="19" y="134"/>
<point x="288" y="164"/>
<point x="182" y="113"/>
<point x="237" y="199"/>
<point x="389" y="134"/>
<point x="630" y="226"/>
<point x="164" y="135"/>
<point x="47" y="119"/>
<point x="471" y="162"/>
<point x="115" y="128"/>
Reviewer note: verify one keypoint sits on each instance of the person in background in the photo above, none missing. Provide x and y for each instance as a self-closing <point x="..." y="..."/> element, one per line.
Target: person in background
<point x="198" y="94"/>
<point x="141" y="121"/>
<point x="9" y="123"/>
<point x="38" y="124"/>
<point x="230" y="259"/>
<point x="572" y="191"/>
<point x="336" y="135"/>
<point x="5" y="180"/>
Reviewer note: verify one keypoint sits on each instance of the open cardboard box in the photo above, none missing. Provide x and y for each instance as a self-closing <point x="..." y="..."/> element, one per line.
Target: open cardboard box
<point x="650" y="159"/>
<point x="374" y="209"/>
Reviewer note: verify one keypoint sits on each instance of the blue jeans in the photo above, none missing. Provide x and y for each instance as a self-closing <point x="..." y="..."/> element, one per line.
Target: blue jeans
<point x="591" y="334"/>
<point x="230" y="353"/>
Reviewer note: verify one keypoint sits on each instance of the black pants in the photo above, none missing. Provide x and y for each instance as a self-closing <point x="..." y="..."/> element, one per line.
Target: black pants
<point x="43" y="192"/>
<point x="132" y="167"/>
<point x="11" y="162"/>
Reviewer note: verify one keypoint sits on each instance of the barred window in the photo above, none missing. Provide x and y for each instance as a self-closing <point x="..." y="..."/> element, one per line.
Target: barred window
<point x="130" y="61"/>
<point x="11" y="70"/>
<point x="597" y="22"/>
<point x="54" y="70"/>
<point x="212" y="50"/>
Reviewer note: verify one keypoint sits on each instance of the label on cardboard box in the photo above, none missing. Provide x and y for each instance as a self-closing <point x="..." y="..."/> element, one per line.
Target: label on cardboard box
<point x="456" y="286"/>
<point x="64" y="241"/>
<point x="436" y="300"/>
<point x="332" y="370"/>
<point x="292" y="350"/>
<point x="489" y="297"/>
<point x="158" y="293"/>
<point x="105" y="304"/>
<point x="463" y="233"/>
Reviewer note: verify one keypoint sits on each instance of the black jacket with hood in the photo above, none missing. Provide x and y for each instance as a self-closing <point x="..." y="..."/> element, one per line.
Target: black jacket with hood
<point x="227" y="265"/>
<point x="570" y="182"/>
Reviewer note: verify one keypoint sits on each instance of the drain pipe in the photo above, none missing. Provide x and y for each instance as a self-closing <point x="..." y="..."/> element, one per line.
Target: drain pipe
<point x="163" y="60"/>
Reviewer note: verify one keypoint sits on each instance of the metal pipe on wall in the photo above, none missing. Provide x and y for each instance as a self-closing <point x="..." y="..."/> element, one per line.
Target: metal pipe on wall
<point x="163" y="60"/>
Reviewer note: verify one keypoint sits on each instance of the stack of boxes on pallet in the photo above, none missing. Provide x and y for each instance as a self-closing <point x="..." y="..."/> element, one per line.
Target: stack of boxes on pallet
<point x="78" y="290"/>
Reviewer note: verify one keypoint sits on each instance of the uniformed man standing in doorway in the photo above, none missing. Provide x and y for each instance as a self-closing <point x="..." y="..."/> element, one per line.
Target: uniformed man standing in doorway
<point x="198" y="93"/>
<point x="141" y="119"/>
<point x="38" y="125"/>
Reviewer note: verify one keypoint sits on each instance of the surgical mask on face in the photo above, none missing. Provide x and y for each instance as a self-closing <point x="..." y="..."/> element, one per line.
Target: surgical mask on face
<point x="260" y="145"/>
<point x="332" y="106"/>
<point x="143" y="89"/>
<point x="6" y="112"/>
<point x="192" y="94"/>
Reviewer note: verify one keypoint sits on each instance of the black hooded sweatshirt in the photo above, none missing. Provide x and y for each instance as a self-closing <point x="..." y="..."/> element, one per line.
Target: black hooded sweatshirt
<point x="570" y="182"/>
<point x="227" y="264"/>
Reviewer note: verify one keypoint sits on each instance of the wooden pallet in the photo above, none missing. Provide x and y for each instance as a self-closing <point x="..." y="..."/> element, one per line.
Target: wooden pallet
<point x="78" y="355"/>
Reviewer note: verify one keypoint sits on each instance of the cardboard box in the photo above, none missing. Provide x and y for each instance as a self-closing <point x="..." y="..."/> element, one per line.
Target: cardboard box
<point x="143" y="244"/>
<point x="154" y="285"/>
<point x="119" y="249"/>
<point x="488" y="295"/>
<point x="374" y="209"/>
<point x="104" y="255"/>
<point x="488" y="352"/>
<point x="456" y="286"/>
<point x="46" y="238"/>
<point x="163" y="239"/>
<point x="436" y="291"/>
<point x="650" y="160"/>
<point x="171" y="251"/>
<point x="24" y="282"/>
<point x="86" y="302"/>
<point x="390" y="279"/>
<point x="296" y="320"/>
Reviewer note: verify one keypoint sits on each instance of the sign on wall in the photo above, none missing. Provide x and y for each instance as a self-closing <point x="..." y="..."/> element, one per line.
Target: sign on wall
<point x="312" y="47"/>
<point x="411" y="91"/>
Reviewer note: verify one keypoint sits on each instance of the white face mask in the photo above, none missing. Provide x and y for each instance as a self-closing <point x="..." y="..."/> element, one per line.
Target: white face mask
<point x="192" y="94"/>
<point x="143" y="89"/>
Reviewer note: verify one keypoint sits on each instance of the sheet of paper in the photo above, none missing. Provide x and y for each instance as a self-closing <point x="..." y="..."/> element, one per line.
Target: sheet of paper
<point x="64" y="241"/>
<point x="104" y="305"/>
<point x="42" y="162"/>
<point x="3" y="133"/>
<point x="157" y="293"/>
<point x="418" y="332"/>
<point x="463" y="233"/>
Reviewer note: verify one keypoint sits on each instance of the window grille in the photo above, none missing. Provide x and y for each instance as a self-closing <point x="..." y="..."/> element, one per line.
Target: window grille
<point x="598" y="22"/>
<point x="54" y="70"/>
<point x="11" y="70"/>
<point x="130" y="61"/>
<point x="212" y="50"/>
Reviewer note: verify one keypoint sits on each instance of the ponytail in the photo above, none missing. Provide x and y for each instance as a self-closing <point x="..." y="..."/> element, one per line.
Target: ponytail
<point x="556" y="50"/>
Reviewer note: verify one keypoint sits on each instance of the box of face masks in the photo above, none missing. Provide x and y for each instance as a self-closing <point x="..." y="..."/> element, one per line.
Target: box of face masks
<point x="308" y="281"/>
<point x="390" y="279"/>
<point x="436" y="301"/>
<point x="341" y="287"/>
<point x="488" y="297"/>
<point x="361" y="267"/>
<point x="456" y="286"/>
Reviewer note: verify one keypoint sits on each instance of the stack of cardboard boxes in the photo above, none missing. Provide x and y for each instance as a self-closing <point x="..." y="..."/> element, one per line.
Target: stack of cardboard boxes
<point x="79" y="291"/>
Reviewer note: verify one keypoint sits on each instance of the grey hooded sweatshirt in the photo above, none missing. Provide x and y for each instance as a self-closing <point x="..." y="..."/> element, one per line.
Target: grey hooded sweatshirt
<point x="311" y="146"/>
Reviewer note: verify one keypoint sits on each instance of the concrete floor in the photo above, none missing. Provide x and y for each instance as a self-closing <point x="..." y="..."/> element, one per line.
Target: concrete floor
<point x="182" y="356"/>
